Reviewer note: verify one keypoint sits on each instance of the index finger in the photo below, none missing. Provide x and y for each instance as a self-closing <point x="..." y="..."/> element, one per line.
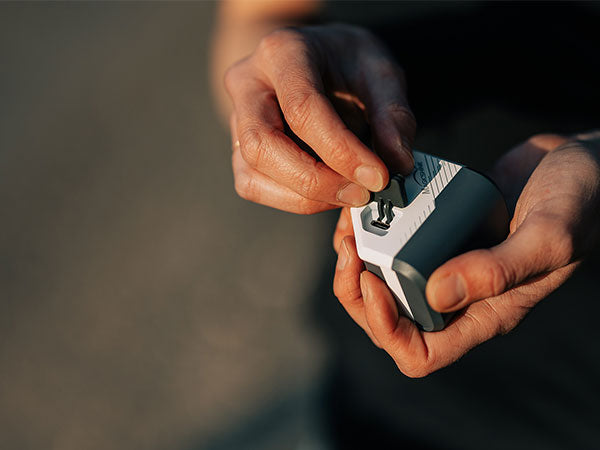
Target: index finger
<point x="299" y="88"/>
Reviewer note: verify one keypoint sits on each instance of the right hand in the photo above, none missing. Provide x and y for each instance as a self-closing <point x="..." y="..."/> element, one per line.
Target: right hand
<point x="326" y="83"/>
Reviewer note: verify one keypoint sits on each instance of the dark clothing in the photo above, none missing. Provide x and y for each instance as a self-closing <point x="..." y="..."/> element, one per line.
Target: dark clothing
<point x="481" y="79"/>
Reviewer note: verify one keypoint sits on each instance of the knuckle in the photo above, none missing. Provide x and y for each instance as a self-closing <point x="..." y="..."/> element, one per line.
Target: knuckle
<point x="546" y="141"/>
<point x="501" y="276"/>
<point x="270" y="44"/>
<point x="497" y="275"/>
<point x="492" y="324"/>
<point x="418" y="363"/>
<point x="431" y="363"/>
<point x="485" y="320"/>
<point x="274" y="42"/>
<point x="414" y="370"/>
<point x="542" y="139"/>
<point x="537" y="138"/>
<point x="251" y="145"/>
<point x="346" y="289"/>
<point x="343" y="292"/>
<point x="309" y="184"/>
<point x="306" y="207"/>
<point x="232" y="76"/>
<point x="338" y="289"/>
<point x="244" y="186"/>
<point x="229" y="78"/>
<point x="339" y="154"/>
<point x="298" y="108"/>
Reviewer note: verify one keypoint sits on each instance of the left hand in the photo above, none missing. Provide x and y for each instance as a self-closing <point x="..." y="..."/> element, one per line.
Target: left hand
<point x="555" y="183"/>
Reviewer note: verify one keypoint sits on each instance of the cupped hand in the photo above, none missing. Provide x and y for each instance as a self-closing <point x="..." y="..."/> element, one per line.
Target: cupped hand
<point x="326" y="83"/>
<point x="555" y="183"/>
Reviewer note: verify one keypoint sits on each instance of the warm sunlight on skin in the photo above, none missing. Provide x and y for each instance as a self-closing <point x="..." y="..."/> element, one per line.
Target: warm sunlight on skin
<point x="323" y="85"/>
<point x="241" y="24"/>
<point x="264" y="10"/>
<point x="350" y="98"/>
<point x="283" y="79"/>
<point x="494" y="288"/>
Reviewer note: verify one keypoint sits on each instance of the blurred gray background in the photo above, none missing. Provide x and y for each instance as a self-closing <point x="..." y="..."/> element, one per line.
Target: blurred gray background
<point x="142" y="304"/>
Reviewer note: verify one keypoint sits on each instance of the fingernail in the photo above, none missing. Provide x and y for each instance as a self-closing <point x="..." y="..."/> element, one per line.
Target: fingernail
<point x="343" y="256"/>
<point x="369" y="177"/>
<point x="449" y="292"/>
<point x="353" y="195"/>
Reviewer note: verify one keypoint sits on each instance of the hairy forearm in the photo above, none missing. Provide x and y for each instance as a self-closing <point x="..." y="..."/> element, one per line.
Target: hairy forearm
<point x="240" y="24"/>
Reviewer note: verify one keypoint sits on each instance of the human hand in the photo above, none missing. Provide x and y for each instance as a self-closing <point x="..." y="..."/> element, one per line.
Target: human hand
<point x="555" y="183"/>
<point x="326" y="83"/>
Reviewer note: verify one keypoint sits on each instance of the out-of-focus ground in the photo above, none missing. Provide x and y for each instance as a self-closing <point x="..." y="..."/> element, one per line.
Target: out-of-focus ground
<point x="142" y="304"/>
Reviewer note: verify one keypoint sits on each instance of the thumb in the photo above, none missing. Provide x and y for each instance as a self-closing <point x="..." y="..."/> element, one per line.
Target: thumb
<point x="538" y="246"/>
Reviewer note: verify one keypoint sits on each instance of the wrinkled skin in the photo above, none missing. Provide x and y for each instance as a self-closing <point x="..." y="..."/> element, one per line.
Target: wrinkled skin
<point x="325" y="83"/>
<point x="553" y="183"/>
<point x="319" y="89"/>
